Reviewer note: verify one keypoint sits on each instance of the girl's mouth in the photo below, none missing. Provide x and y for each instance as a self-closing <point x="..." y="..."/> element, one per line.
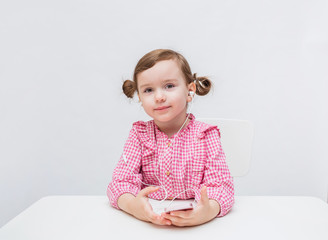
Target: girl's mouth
<point x="161" y="108"/>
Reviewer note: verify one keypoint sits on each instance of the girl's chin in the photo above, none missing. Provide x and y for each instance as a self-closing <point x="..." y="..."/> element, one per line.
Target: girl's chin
<point x="168" y="117"/>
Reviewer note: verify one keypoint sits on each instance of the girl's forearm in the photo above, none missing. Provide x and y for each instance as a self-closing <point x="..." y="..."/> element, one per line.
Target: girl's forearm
<point x="125" y="202"/>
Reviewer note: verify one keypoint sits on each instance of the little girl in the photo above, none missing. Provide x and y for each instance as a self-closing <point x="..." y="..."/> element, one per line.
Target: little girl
<point x="173" y="154"/>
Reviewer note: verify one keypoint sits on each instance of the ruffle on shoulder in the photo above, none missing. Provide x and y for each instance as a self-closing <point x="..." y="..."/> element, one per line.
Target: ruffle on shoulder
<point x="204" y="128"/>
<point x="145" y="133"/>
<point x="140" y="126"/>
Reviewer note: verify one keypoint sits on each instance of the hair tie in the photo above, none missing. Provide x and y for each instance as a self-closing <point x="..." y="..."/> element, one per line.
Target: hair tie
<point x="200" y="83"/>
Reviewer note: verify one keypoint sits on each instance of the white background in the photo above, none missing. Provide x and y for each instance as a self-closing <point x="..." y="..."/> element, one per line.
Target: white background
<point x="64" y="118"/>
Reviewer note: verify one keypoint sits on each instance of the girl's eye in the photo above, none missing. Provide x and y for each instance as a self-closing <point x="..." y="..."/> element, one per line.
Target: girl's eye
<point x="147" y="90"/>
<point x="169" y="85"/>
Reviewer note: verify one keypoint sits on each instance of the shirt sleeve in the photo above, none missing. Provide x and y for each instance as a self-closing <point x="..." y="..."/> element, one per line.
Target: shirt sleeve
<point x="217" y="177"/>
<point x="126" y="176"/>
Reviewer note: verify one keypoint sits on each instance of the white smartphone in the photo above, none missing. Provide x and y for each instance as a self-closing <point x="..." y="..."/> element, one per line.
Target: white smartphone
<point x="179" y="207"/>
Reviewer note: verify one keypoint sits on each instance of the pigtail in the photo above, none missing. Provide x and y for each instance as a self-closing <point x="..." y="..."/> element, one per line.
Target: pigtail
<point x="203" y="85"/>
<point x="129" y="87"/>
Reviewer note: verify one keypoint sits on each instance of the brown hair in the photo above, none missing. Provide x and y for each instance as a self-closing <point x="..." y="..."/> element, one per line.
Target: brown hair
<point x="203" y="84"/>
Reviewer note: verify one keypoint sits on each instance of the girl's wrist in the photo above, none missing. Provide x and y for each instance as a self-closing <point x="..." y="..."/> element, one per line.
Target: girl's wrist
<point x="215" y="207"/>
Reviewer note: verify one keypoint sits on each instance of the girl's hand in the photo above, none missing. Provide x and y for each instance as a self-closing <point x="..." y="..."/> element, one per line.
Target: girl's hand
<point x="140" y="207"/>
<point x="206" y="210"/>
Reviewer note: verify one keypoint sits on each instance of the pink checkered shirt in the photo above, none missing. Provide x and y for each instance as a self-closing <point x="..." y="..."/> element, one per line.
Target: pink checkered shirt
<point x="188" y="160"/>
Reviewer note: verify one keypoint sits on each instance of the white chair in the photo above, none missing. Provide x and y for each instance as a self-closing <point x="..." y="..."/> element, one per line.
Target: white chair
<point x="236" y="140"/>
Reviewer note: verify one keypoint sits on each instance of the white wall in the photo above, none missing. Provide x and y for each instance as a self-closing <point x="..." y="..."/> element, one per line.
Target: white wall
<point x="64" y="119"/>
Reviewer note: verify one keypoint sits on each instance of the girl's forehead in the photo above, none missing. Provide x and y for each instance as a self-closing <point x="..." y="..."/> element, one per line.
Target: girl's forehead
<point x="162" y="70"/>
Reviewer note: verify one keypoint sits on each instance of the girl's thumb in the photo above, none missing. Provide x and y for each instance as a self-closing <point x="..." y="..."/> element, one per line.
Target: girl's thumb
<point x="203" y="194"/>
<point x="148" y="190"/>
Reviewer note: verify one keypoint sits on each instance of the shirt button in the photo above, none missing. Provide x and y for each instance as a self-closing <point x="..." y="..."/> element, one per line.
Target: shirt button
<point x="169" y="144"/>
<point x="167" y="173"/>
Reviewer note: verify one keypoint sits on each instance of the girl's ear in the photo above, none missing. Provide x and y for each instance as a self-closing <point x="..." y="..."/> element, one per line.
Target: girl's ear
<point x="191" y="88"/>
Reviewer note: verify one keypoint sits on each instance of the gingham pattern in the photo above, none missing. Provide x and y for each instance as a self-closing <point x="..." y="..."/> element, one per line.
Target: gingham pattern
<point x="188" y="160"/>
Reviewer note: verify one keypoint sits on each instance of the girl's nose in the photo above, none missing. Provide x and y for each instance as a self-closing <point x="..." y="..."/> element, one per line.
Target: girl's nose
<point x="159" y="96"/>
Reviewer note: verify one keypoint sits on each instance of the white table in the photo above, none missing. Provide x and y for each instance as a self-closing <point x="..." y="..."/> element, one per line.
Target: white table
<point x="91" y="217"/>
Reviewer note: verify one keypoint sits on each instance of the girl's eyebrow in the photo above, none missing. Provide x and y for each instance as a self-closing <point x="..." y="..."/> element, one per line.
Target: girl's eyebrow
<point x="144" y="85"/>
<point x="170" y="80"/>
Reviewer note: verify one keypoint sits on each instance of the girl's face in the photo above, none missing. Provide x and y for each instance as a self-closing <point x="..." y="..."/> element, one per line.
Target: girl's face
<point x="163" y="92"/>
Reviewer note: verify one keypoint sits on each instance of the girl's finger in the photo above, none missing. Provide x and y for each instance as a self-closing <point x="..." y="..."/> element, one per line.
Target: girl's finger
<point x="182" y="214"/>
<point x="178" y="221"/>
<point x="159" y="220"/>
<point x="148" y="190"/>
